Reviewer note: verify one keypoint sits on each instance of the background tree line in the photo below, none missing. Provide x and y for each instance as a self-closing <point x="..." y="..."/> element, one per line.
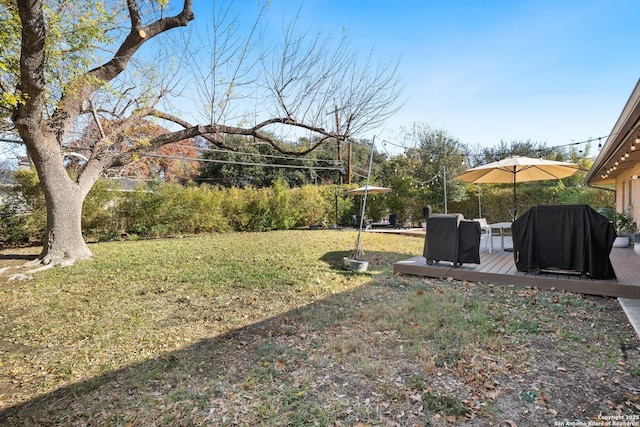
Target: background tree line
<point x="433" y="158"/>
<point x="250" y="190"/>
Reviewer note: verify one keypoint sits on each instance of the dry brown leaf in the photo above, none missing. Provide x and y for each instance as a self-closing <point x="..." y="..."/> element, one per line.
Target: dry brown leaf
<point x="415" y="397"/>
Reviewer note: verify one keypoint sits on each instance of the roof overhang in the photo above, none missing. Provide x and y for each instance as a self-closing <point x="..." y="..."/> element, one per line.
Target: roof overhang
<point x="620" y="151"/>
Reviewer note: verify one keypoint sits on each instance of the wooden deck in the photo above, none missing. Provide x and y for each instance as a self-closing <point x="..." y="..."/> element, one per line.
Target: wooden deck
<point x="499" y="267"/>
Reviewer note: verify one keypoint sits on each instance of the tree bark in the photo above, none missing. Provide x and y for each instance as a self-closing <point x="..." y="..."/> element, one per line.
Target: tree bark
<point x="63" y="243"/>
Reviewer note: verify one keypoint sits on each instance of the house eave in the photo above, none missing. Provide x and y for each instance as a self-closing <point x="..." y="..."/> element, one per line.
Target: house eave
<point x="617" y="155"/>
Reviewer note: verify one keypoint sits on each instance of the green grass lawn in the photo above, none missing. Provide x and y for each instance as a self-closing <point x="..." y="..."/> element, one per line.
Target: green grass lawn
<point x="268" y="329"/>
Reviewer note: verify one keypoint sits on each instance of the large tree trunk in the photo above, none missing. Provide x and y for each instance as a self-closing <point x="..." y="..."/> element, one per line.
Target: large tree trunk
<point x="63" y="243"/>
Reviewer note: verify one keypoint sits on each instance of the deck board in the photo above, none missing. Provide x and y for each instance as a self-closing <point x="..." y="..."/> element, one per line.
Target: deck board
<point x="499" y="267"/>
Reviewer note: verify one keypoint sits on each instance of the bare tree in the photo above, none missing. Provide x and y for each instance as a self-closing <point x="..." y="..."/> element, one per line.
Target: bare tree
<point x="305" y="83"/>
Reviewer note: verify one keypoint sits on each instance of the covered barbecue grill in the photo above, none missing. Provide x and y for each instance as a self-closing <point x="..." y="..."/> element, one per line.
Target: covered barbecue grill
<point x="568" y="237"/>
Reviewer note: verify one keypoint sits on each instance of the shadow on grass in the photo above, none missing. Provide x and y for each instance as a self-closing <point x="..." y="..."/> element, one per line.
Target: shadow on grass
<point x="378" y="260"/>
<point x="18" y="257"/>
<point x="199" y="371"/>
<point x="194" y="376"/>
<point x="334" y="259"/>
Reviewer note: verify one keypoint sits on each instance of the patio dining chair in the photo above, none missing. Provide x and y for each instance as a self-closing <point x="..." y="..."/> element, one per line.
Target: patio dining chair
<point x="484" y="229"/>
<point x="392" y="220"/>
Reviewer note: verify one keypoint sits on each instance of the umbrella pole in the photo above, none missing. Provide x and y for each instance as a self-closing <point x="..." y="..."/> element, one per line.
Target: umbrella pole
<point x="514" y="195"/>
<point x="444" y="168"/>
<point x="358" y="252"/>
<point x="336" y="194"/>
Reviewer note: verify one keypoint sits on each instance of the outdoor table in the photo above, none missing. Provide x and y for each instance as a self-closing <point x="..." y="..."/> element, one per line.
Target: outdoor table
<point x="502" y="226"/>
<point x="380" y="224"/>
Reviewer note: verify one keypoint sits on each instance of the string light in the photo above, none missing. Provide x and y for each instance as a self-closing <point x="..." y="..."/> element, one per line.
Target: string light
<point x="588" y="141"/>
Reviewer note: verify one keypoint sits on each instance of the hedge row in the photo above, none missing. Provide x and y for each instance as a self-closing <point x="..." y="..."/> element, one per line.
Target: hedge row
<point x="169" y="210"/>
<point x="163" y="210"/>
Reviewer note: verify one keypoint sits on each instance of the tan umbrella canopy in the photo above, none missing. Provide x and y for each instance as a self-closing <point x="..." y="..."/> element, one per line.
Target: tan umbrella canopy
<point x="519" y="169"/>
<point x="369" y="189"/>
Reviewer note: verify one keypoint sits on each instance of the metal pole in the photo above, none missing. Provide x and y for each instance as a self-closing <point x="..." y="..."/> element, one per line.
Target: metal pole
<point x="445" y="188"/>
<point x="358" y="253"/>
<point x="336" y="191"/>
<point x="349" y="154"/>
<point x="515" y="209"/>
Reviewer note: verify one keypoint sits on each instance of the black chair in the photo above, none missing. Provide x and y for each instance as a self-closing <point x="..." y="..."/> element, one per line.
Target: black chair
<point x="450" y="237"/>
<point x="426" y="211"/>
<point x="393" y="221"/>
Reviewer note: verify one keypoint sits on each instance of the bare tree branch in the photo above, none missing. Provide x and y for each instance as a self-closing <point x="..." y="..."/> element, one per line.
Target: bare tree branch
<point x="71" y="103"/>
<point x="212" y="133"/>
<point x="297" y="85"/>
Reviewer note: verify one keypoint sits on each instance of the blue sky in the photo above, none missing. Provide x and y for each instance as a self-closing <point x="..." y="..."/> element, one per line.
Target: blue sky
<point x="554" y="72"/>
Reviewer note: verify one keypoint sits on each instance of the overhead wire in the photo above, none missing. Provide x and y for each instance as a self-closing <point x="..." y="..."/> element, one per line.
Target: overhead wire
<point x="573" y="143"/>
<point x="330" y="161"/>
<point x="243" y="163"/>
<point x="244" y="153"/>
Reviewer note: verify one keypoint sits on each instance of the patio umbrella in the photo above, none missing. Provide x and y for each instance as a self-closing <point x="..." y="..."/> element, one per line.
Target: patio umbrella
<point x="369" y="189"/>
<point x="519" y="169"/>
<point x="363" y="191"/>
<point x="355" y="261"/>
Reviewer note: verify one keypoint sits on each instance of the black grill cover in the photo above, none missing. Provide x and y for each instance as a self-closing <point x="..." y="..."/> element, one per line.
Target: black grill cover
<point x="450" y="237"/>
<point x="469" y="241"/>
<point x="568" y="237"/>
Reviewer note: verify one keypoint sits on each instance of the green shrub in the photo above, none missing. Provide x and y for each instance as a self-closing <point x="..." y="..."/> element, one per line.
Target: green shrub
<point x="19" y="228"/>
<point x="497" y="199"/>
<point x="99" y="219"/>
<point x="170" y="209"/>
<point x="247" y="209"/>
<point x="233" y="206"/>
<point x="311" y="206"/>
<point x="205" y="207"/>
<point x="282" y="214"/>
<point x="23" y="215"/>
<point x="140" y="212"/>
